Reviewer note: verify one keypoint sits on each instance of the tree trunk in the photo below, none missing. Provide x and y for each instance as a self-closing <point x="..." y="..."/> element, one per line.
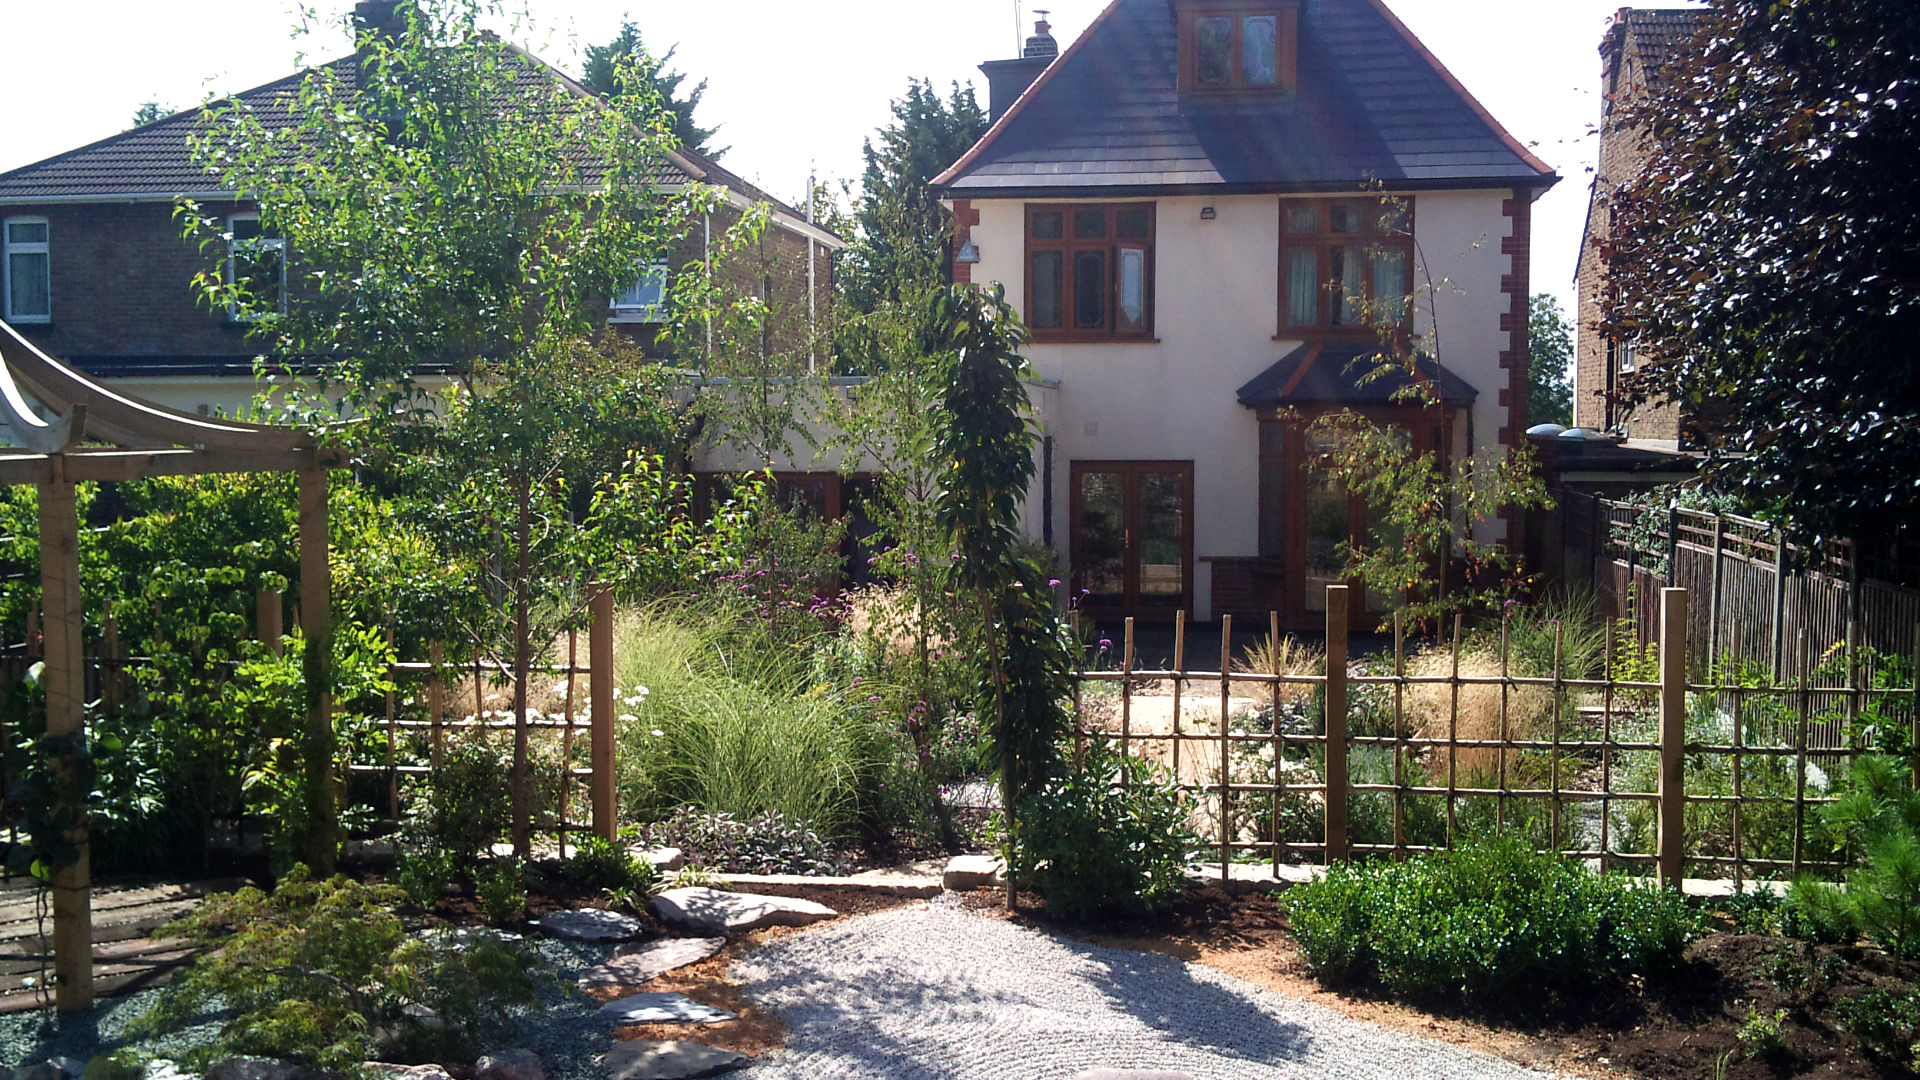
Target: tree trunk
<point x="522" y="662"/>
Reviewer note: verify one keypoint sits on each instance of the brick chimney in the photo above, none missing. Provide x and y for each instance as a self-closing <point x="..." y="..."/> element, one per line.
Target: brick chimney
<point x="1008" y="79"/>
<point x="382" y="18"/>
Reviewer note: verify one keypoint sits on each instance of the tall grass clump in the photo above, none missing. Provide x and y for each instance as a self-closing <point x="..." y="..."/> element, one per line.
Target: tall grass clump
<point x="731" y="723"/>
<point x="1490" y="917"/>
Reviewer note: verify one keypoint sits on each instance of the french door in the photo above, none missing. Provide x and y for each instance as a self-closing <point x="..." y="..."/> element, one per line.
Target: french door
<point x="1132" y="538"/>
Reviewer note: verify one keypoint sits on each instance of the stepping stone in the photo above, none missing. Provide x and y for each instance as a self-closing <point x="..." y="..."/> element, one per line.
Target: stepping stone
<point x="646" y="1059"/>
<point x="714" y="912"/>
<point x="636" y="963"/>
<point x="664" y="859"/>
<point x="966" y="873"/>
<point x="1130" y="1074"/>
<point x="389" y="1071"/>
<point x="591" y="924"/>
<point x="510" y="1065"/>
<point x="461" y="937"/>
<point x="664" y="1009"/>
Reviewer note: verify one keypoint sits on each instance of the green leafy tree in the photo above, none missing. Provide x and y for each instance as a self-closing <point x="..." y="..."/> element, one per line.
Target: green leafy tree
<point x="148" y="112"/>
<point x="901" y="249"/>
<point x="624" y="63"/>
<point x="456" y="202"/>
<point x="1766" y="256"/>
<point x="1549" y="354"/>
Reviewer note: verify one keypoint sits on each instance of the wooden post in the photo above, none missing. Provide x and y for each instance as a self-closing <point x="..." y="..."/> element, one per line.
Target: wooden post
<point x="65" y="680"/>
<point x="1336" y="725"/>
<point x="600" y="701"/>
<point x="436" y="700"/>
<point x="1779" y="604"/>
<point x="1673" y="733"/>
<point x="271" y="616"/>
<point x="1226" y="750"/>
<point x="1713" y="601"/>
<point x="316" y="602"/>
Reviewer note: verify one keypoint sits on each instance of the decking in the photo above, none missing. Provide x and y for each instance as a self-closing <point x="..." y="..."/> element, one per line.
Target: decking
<point x="126" y="957"/>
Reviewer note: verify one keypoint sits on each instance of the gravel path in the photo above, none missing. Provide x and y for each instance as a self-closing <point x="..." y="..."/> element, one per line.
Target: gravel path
<point x="932" y="992"/>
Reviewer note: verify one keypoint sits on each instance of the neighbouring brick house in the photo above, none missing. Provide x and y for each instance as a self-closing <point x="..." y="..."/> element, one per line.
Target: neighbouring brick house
<point x="1639" y="45"/>
<point x="94" y="268"/>
<point x="1187" y="208"/>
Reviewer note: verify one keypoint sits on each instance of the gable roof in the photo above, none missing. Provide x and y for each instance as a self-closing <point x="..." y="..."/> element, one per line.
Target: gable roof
<point x="153" y="161"/>
<point x="1372" y="105"/>
<point x="1658" y="35"/>
<point x="1343" y="373"/>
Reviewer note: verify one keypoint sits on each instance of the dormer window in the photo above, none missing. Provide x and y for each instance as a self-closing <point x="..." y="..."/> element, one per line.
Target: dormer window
<point x="1238" y="45"/>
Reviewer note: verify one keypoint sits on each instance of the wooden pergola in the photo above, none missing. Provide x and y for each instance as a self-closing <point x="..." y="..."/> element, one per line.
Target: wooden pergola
<point x="66" y="429"/>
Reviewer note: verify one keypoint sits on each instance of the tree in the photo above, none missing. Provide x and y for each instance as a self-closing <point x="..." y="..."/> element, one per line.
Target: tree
<point x="452" y="203"/>
<point x="148" y="112"/>
<point x="603" y="75"/>
<point x="901" y="250"/>
<point x="1768" y="257"/>
<point x="1549" y="352"/>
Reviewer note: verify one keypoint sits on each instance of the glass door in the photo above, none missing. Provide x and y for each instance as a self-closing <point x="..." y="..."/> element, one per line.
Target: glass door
<point x="1133" y="537"/>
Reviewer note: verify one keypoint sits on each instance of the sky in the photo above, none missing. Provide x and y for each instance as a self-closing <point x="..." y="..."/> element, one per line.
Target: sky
<point x="793" y="87"/>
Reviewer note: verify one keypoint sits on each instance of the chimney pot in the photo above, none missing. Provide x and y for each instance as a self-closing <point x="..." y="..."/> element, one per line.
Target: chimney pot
<point x="1041" y="44"/>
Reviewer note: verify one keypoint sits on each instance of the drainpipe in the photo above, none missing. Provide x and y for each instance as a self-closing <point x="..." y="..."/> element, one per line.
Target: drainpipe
<point x="706" y="231"/>
<point x="812" y="334"/>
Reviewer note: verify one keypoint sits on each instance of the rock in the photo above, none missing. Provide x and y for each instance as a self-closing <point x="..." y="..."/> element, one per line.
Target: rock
<point x="461" y="937"/>
<point x="391" y="1071"/>
<point x="510" y="1065"/>
<point x="646" y="1059"/>
<point x="714" y="911"/>
<point x="966" y="873"/>
<point x="250" y="1068"/>
<point x="664" y="859"/>
<point x="1130" y="1074"/>
<point x="162" y="1069"/>
<point x="60" y="1068"/>
<point x="371" y="852"/>
<point x="662" y="1009"/>
<point x="636" y="963"/>
<point x="590" y="924"/>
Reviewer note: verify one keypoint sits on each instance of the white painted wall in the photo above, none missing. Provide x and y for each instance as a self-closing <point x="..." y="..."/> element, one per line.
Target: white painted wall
<point x="1215" y="313"/>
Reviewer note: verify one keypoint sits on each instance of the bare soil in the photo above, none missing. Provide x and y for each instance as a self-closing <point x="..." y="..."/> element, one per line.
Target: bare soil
<point x="1680" y="1028"/>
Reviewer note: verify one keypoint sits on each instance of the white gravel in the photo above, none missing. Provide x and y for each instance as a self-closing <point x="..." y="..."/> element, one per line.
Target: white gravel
<point x="932" y="992"/>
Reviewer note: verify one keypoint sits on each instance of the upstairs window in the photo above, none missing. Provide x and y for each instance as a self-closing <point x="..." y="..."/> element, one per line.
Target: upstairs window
<point x="1345" y="265"/>
<point x="1238" y="45"/>
<point x="257" y="267"/>
<point x="27" y="268"/>
<point x="1090" y="271"/>
<point x="645" y="301"/>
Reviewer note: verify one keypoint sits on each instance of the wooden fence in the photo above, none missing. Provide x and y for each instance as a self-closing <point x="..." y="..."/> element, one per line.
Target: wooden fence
<point x="1616" y="756"/>
<point x="1759" y="600"/>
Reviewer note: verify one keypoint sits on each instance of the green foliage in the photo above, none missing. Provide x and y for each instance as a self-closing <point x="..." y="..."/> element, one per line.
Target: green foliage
<point x="1488" y="917"/>
<point x="900" y="252"/>
<point x="1749" y="256"/>
<point x="1549" y="363"/>
<point x="461" y="806"/>
<point x="623" y="65"/>
<point x="1876" y="814"/>
<point x="599" y="863"/>
<point x="123" y="1064"/>
<point x="1111" y="837"/>
<point x="1887" y="1023"/>
<point x="1763" y="1033"/>
<point x="768" y="843"/>
<point x="500" y="888"/>
<point x="423" y="875"/>
<point x="322" y="974"/>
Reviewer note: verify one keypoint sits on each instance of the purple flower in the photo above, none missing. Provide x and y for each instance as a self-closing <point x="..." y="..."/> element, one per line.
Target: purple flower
<point x="1053" y="583"/>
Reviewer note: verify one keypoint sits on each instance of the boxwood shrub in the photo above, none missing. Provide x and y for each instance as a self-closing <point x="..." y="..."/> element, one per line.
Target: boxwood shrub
<point x="1490" y="916"/>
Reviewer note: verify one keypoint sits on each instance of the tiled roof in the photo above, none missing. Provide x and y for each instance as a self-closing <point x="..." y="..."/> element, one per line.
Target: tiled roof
<point x="1371" y="105"/>
<point x="1338" y="374"/>
<point x="1661" y="34"/>
<point x="153" y="160"/>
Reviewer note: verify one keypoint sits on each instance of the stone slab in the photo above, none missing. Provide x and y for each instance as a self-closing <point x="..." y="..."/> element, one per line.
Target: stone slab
<point x="965" y="873"/>
<point x="877" y="882"/>
<point x="590" y="924"/>
<point x="667" y="860"/>
<point x="713" y="911"/>
<point x="647" y="1059"/>
<point x="510" y="1065"/>
<point x="663" y="1009"/>
<point x="634" y="964"/>
<point x="386" y="1070"/>
<point x="1130" y="1074"/>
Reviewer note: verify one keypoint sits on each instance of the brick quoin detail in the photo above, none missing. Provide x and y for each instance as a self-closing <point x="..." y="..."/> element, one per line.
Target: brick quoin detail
<point x="1515" y="284"/>
<point x="965" y="217"/>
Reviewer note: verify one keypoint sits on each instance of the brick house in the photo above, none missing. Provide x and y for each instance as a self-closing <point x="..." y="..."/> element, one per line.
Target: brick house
<point x="1638" y="46"/>
<point x="1210" y="212"/>
<point x="95" y="271"/>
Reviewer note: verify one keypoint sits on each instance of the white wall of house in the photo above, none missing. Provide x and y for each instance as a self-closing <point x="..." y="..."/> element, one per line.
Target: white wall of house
<point x="1216" y="285"/>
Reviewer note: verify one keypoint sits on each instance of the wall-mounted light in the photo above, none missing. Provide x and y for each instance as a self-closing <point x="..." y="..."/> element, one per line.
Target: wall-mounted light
<point x="967" y="253"/>
<point x="1207" y="213"/>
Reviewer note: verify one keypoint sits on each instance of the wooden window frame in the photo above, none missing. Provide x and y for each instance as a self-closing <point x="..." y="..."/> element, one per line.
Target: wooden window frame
<point x="1110" y="245"/>
<point x="1323" y="240"/>
<point x="1129" y="607"/>
<point x="1286" y="61"/>
<point x="8" y="249"/>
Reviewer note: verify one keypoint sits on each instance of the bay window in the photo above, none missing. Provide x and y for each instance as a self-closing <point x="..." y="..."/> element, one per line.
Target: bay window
<point x="1090" y="271"/>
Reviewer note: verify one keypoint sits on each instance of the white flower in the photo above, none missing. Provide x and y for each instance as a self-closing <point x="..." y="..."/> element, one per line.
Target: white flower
<point x="628" y="718"/>
<point x="657" y="732"/>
